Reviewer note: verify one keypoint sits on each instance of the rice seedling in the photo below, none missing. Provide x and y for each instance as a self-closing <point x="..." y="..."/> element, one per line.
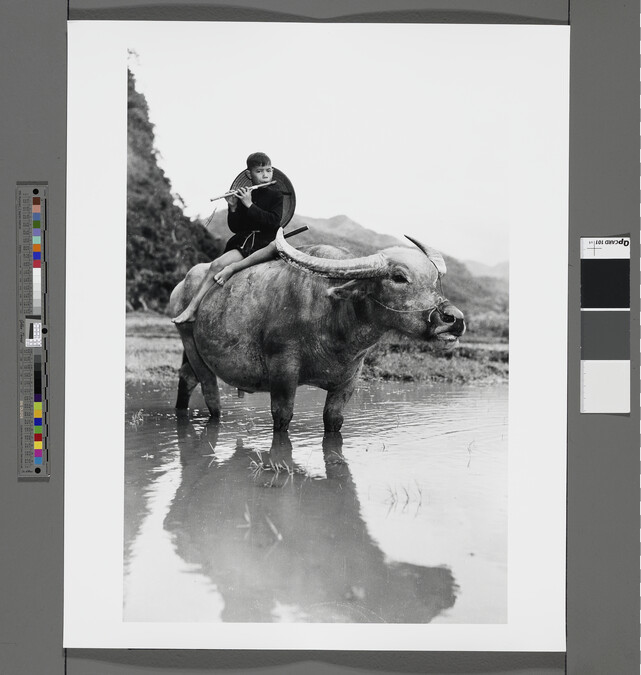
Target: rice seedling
<point x="419" y="490"/>
<point x="212" y="454"/>
<point x="403" y="496"/>
<point x="248" y="521"/>
<point x="256" y="468"/>
<point x="469" y="452"/>
<point x="273" y="528"/>
<point x="137" y="419"/>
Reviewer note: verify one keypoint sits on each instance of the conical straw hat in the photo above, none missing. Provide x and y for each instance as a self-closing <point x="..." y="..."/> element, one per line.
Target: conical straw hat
<point x="282" y="183"/>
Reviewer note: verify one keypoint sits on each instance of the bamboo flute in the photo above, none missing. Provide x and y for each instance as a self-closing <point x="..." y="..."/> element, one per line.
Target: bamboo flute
<point x="233" y="192"/>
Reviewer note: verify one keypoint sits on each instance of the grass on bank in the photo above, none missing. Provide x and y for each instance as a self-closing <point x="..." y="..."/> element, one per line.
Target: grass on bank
<point x="154" y="354"/>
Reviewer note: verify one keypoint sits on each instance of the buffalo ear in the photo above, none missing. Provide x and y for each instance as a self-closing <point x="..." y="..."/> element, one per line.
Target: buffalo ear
<point x="350" y="290"/>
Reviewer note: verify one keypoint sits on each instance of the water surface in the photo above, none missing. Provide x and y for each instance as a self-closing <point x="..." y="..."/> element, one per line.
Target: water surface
<point x="403" y="518"/>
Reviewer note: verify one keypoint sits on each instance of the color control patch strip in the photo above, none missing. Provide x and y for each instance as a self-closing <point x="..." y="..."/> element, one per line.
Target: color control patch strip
<point x="31" y="220"/>
<point x="605" y="324"/>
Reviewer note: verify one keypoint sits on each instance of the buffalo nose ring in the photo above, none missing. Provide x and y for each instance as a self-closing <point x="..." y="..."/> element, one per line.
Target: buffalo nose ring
<point x="449" y="313"/>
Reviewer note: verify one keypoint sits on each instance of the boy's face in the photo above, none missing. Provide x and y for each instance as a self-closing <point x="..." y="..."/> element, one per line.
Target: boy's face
<point x="261" y="174"/>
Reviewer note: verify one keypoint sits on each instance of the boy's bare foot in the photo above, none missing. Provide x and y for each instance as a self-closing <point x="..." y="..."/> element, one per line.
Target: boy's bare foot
<point x="185" y="317"/>
<point x="221" y="277"/>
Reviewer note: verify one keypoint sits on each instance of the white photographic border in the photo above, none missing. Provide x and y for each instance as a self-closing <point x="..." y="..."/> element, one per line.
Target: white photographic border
<point x="95" y="361"/>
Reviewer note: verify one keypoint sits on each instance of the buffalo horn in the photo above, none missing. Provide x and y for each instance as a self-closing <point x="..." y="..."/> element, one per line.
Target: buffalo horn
<point x="432" y="254"/>
<point x="350" y="268"/>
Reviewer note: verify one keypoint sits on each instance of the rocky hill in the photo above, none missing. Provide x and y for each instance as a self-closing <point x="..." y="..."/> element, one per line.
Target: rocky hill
<point x="162" y="244"/>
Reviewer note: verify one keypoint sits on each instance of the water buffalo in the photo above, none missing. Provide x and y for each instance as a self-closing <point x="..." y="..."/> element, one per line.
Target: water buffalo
<point x="308" y="318"/>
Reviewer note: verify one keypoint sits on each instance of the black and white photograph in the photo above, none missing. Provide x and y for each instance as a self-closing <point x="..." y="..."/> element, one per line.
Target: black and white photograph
<point x="324" y="398"/>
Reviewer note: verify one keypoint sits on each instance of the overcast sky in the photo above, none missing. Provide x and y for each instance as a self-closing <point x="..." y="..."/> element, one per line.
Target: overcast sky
<point x="403" y="128"/>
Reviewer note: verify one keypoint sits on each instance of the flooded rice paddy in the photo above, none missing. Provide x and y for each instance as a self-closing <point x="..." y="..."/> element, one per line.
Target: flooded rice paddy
<point x="402" y="518"/>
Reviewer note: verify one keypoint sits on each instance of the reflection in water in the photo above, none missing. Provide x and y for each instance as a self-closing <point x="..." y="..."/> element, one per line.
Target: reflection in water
<point x="229" y="522"/>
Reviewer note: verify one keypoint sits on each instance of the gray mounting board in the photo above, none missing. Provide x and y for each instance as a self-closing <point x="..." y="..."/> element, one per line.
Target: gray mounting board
<point x="603" y="482"/>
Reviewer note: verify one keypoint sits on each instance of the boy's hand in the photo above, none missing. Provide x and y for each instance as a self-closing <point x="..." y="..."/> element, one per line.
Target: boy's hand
<point x="245" y="196"/>
<point x="232" y="200"/>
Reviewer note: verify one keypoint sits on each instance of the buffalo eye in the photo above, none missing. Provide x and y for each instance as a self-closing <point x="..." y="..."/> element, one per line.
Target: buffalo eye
<point x="400" y="278"/>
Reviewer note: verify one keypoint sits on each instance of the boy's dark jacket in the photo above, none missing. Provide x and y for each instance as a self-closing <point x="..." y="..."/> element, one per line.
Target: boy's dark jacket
<point x="262" y="218"/>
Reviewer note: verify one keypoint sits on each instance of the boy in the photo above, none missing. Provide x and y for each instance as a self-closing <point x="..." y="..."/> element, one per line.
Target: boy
<point x="254" y="216"/>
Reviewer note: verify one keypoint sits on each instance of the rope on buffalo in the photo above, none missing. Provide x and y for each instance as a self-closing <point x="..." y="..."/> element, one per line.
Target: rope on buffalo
<point x="441" y="297"/>
<point x="410" y="311"/>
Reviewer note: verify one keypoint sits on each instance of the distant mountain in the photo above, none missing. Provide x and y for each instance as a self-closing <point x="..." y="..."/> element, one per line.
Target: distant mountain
<point x="474" y="295"/>
<point x="348" y="230"/>
<point x="338" y="231"/>
<point x="500" y="270"/>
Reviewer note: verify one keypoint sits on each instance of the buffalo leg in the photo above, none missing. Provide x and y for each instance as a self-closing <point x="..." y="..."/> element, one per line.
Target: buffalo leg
<point x="187" y="382"/>
<point x="282" y="395"/>
<point x="282" y="387"/>
<point x="335" y="402"/>
<point x="204" y="375"/>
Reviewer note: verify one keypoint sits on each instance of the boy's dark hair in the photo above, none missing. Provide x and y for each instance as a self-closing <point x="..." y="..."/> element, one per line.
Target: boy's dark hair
<point x="257" y="159"/>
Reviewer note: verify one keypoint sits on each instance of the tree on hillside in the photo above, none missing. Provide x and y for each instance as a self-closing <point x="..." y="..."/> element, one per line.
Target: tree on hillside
<point x="162" y="243"/>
